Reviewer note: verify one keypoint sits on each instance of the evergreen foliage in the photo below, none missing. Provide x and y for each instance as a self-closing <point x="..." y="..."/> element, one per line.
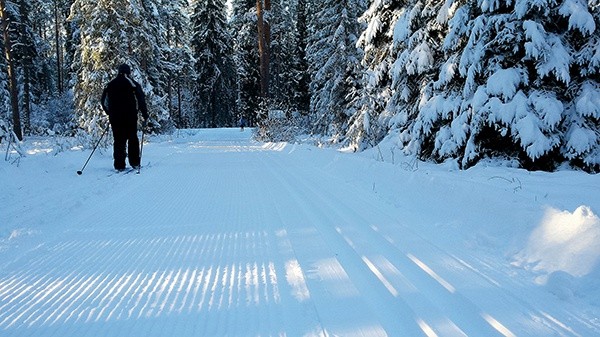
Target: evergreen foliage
<point x="364" y="129"/>
<point x="211" y="44"/>
<point x="243" y="22"/>
<point x="285" y="72"/>
<point x="9" y="24"/>
<point x="303" y="90"/>
<point x="333" y="59"/>
<point x="25" y="54"/>
<point x="178" y="60"/>
<point x="111" y="33"/>
<point x="469" y="80"/>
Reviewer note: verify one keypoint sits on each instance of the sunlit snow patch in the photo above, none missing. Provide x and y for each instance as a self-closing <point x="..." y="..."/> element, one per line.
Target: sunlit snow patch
<point x="295" y="278"/>
<point x="564" y="241"/>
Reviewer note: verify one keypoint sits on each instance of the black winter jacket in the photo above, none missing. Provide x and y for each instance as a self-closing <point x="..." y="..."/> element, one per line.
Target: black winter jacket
<point x="122" y="99"/>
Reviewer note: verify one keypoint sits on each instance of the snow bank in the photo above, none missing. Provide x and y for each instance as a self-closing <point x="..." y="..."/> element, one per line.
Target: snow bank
<point x="565" y="250"/>
<point x="564" y="237"/>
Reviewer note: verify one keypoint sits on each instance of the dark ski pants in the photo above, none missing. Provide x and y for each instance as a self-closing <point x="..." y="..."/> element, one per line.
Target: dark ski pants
<point x="126" y="144"/>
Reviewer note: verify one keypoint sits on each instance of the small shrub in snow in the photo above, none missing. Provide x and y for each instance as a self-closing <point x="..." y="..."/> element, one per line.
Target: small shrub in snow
<point x="278" y="127"/>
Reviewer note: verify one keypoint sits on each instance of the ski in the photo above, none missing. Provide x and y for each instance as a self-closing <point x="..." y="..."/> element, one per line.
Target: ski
<point x="127" y="171"/>
<point x="121" y="172"/>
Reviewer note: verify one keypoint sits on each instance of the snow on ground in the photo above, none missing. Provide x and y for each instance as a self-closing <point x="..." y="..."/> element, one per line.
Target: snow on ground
<point x="224" y="236"/>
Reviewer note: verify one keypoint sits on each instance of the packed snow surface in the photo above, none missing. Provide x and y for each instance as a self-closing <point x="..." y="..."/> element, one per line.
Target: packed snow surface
<point x="221" y="235"/>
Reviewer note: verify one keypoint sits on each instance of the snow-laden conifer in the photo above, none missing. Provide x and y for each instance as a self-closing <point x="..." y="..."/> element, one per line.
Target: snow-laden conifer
<point x="211" y="45"/>
<point x="365" y="128"/>
<point x="110" y="33"/>
<point x="178" y="67"/>
<point x="468" y="80"/>
<point x="581" y="144"/>
<point x="243" y="23"/>
<point x="333" y="59"/>
<point x="285" y="56"/>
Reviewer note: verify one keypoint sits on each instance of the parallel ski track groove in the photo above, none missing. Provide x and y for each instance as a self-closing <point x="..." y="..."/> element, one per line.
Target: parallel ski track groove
<point x="362" y="234"/>
<point x="311" y="206"/>
<point x="458" y="299"/>
<point x="285" y="226"/>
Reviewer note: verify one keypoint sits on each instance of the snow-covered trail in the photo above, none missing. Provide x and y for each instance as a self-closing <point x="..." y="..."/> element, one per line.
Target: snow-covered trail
<point x="222" y="236"/>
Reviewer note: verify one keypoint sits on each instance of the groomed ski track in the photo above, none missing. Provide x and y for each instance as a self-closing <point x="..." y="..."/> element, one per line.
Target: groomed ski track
<point x="224" y="236"/>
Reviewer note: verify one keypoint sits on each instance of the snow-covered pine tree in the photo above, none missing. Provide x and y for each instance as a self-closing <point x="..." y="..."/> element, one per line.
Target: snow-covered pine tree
<point x="416" y="43"/>
<point x="33" y="62"/>
<point x="56" y="112"/>
<point x="581" y="145"/>
<point x="57" y="8"/>
<point x="434" y="125"/>
<point x="150" y="55"/>
<point x="373" y="95"/>
<point x="211" y="44"/>
<point x="178" y="67"/>
<point x="110" y="33"/>
<point x="507" y="90"/>
<point x="354" y="85"/>
<point x="263" y="23"/>
<point x="317" y="49"/>
<point x="8" y="15"/>
<point x="441" y="125"/>
<point x="71" y="41"/>
<point x="45" y="75"/>
<point x="25" y="53"/>
<point x="494" y="79"/>
<point x="525" y="85"/>
<point x="333" y="59"/>
<point x="285" y="63"/>
<point x="303" y="90"/>
<point x="243" y="23"/>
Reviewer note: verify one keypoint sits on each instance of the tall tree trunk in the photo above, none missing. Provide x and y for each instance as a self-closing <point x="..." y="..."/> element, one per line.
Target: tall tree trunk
<point x="264" y="43"/>
<point x="12" y="76"/>
<point x="27" y="99"/>
<point x="59" y="73"/>
<point x="304" y="81"/>
<point x="179" y="122"/>
<point x="169" y="74"/>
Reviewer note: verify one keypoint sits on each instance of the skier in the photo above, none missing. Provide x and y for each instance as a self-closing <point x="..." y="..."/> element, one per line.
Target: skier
<point x="122" y="100"/>
<point x="242" y="123"/>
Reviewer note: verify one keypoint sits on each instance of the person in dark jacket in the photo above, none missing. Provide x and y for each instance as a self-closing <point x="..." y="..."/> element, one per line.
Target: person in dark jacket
<point x="242" y="123"/>
<point x="122" y="100"/>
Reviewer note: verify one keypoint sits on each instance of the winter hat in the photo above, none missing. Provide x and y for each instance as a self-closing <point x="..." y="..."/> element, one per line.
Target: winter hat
<point x="124" y="69"/>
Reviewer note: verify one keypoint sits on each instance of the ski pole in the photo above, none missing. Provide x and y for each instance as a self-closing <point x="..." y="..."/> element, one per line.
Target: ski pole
<point x="141" y="149"/>
<point x="80" y="172"/>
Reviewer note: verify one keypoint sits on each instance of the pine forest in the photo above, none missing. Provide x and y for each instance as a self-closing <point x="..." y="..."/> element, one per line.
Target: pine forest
<point x="516" y="81"/>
